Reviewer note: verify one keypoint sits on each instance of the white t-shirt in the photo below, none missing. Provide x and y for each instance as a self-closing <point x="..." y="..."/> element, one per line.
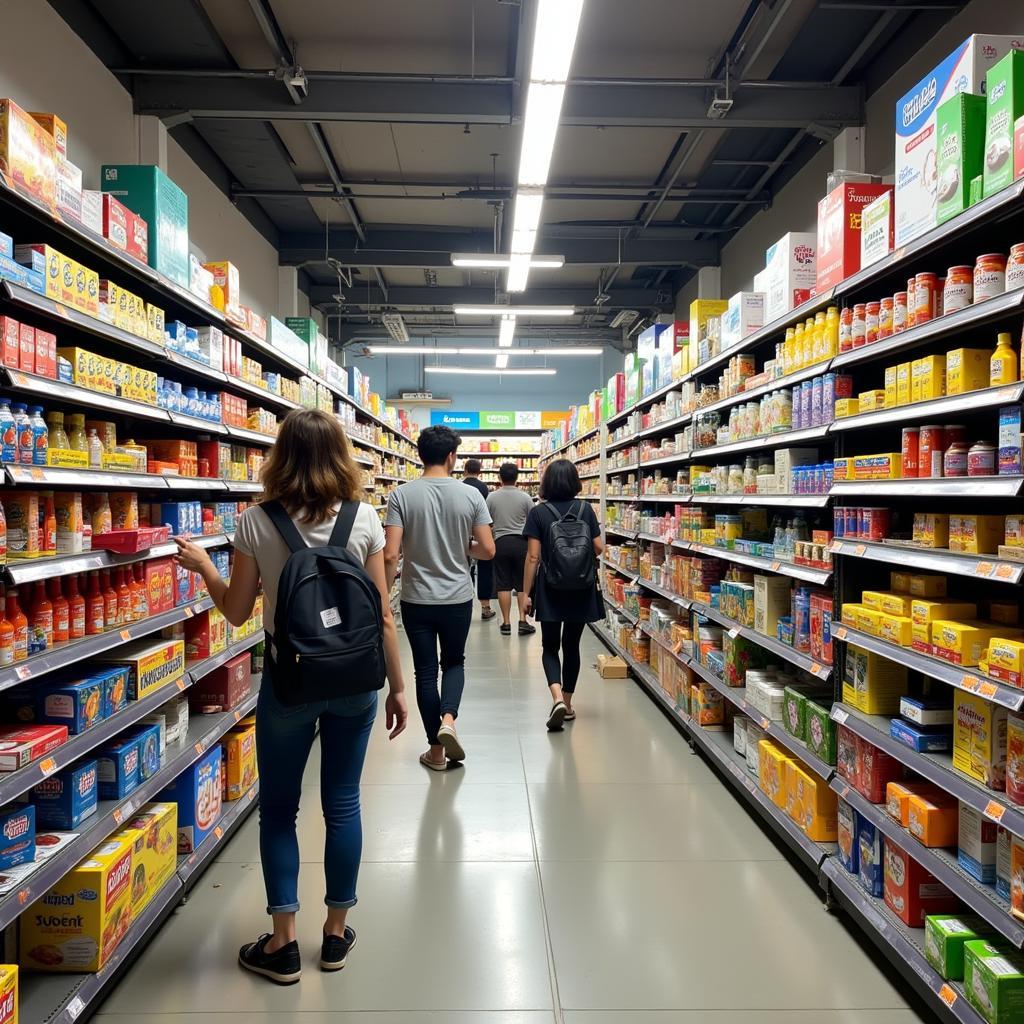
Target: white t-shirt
<point x="257" y="536"/>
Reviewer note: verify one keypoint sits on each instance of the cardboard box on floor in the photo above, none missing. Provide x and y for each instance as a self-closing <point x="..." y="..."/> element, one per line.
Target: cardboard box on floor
<point x="611" y="667"/>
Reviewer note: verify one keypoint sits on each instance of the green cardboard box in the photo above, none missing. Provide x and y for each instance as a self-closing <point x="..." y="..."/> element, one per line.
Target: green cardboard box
<point x="794" y="710"/>
<point x="147" y="191"/>
<point x="304" y="326"/>
<point x="994" y="982"/>
<point x="1004" y="103"/>
<point x="960" y="151"/>
<point x="944" y="939"/>
<point x="977" y="190"/>
<point x="820" y="731"/>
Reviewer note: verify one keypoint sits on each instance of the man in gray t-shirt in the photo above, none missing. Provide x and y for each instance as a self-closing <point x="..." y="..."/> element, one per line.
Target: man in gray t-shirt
<point x="509" y="508"/>
<point x="436" y="525"/>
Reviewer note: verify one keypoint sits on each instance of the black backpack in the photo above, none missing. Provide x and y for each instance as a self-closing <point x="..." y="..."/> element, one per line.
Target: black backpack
<point x="570" y="563"/>
<point x="328" y="638"/>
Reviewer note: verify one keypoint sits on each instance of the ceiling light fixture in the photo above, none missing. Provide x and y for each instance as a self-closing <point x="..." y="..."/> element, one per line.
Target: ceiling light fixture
<point x="501" y="361"/>
<point x="497" y="261"/>
<point x="489" y="371"/>
<point x="497" y="310"/>
<point x="506" y="332"/>
<point x="482" y="350"/>
<point x="624" y="318"/>
<point x="395" y="326"/>
<point x="410" y="350"/>
<point x="518" y="273"/>
<point x="554" y="39"/>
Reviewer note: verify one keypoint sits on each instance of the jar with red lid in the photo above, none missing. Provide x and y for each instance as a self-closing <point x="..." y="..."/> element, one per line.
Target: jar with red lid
<point x="931" y="445"/>
<point x="981" y="459"/>
<point x="885" y="309"/>
<point x="954" y="462"/>
<point x="958" y="292"/>
<point x="911" y="301"/>
<point x="846" y="329"/>
<point x="925" y="287"/>
<point x="989" y="276"/>
<point x="899" y="312"/>
<point x="1015" y="267"/>
<point x="858" y="326"/>
<point x="871" y="322"/>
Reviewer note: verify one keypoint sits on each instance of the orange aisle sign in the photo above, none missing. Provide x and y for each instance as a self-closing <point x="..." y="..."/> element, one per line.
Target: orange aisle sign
<point x="549" y="419"/>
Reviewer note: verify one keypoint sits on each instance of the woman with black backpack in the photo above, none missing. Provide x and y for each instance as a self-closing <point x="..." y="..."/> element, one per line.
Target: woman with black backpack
<point x="563" y="545"/>
<point x="318" y="550"/>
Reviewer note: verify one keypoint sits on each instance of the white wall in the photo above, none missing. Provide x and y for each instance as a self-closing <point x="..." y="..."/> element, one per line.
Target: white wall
<point x="795" y="207"/>
<point x="44" y="66"/>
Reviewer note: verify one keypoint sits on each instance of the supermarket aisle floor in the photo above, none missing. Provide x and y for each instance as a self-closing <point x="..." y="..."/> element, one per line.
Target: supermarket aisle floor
<point x="599" y="876"/>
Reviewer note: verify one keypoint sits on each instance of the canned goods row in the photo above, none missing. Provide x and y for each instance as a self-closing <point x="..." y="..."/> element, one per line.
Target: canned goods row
<point x="861" y="523"/>
<point x="934" y="450"/>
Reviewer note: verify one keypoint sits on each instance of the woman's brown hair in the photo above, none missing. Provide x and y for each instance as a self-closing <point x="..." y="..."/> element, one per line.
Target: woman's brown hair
<point x="310" y="468"/>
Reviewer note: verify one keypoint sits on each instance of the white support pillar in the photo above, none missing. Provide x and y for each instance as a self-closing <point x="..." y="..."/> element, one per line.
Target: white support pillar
<point x="287" y="292"/>
<point x="152" y="141"/>
<point x="709" y="283"/>
<point x="848" y="150"/>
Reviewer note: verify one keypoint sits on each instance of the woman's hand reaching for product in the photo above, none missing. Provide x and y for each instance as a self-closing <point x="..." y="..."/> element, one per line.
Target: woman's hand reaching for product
<point x="190" y="556"/>
<point x="396" y="713"/>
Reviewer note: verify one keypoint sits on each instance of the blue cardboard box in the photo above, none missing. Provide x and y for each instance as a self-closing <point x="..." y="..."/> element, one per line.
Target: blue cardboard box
<point x="198" y="793"/>
<point x="921" y="738"/>
<point x="148" y="738"/>
<point x="17" y="836"/>
<point x="849" y="843"/>
<point x="870" y="848"/>
<point x="66" y="799"/>
<point x="78" y="704"/>
<point x="115" y="688"/>
<point x="6" y="246"/>
<point x="117" y="766"/>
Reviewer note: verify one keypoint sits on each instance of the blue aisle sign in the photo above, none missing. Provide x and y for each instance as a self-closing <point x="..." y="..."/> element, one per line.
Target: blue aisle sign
<point x="465" y="420"/>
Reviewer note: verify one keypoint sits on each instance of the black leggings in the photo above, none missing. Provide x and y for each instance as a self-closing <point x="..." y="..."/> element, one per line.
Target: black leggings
<point x="564" y="635"/>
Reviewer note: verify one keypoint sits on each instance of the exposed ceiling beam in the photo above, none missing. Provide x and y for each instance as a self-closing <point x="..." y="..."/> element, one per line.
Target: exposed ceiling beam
<point x="399" y="296"/>
<point x="432" y="247"/>
<point x="176" y="96"/>
<point x="344" y="332"/>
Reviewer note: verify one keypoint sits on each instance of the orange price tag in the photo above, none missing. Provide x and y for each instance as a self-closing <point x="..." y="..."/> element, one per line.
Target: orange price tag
<point x="238" y="716"/>
<point x="839" y="632"/>
<point x="970" y="683"/>
<point x="984" y="569"/>
<point x="37" y="473"/>
<point x="819" y="670"/>
<point x="1004" y="571"/>
<point x="776" y="566"/>
<point x="837" y="547"/>
<point x="61" y="310"/>
<point x="126" y="634"/>
<point x="844" y="792"/>
<point x="48" y="766"/>
<point x="987" y="690"/>
<point x="181" y="684"/>
<point x="19" y="379"/>
<point x="118" y="815"/>
<point x="199" y="748"/>
<point x="251" y="794"/>
<point x="24" y="895"/>
<point x="218" y="832"/>
<point x="947" y="994"/>
<point x="994" y="810"/>
<point x="859" y="549"/>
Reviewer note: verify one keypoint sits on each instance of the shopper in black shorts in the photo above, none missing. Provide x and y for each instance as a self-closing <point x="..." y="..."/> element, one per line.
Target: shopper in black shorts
<point x="562" y="614"/>
<point x="483" y="571"/>
<point x="509" y="507"/>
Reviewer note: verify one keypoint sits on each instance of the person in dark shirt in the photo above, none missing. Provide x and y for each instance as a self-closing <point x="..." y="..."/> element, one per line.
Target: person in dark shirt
<point x="484" y="570"/>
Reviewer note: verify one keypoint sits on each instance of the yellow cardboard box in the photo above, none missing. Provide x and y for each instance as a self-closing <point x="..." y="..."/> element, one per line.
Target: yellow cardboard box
<point x="963" y="643"/>
<point x="927" y="585"/>
<point x="976" y="534"/>
<point x="772" y="771"/>
<point x="903" y="379"/>
<point x="8" y="994"/>
<point x="923" y="610"/>
<point x="240" y="758"/>
<point x="979" y="739"/>
<point x="153" y="835"/>
<point x="815" y="807"/>
<point x="1005" y="660"/>
<point x="927" y="378"/>
<point x="891" y="392"/>
<point x="896" y="629"/>
<point x="871" y="683"/>
<point x="153" y="664"/>
<point x="78" y="924"/>
<point x="931" y="529"/>
<point x="967" y="369"/>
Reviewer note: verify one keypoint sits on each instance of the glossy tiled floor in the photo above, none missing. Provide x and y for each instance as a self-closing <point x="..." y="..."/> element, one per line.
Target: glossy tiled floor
<point x="603" y="875"/>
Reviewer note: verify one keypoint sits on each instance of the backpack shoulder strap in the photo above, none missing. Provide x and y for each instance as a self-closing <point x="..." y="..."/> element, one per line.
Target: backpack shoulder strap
<point x="343" y="524"/>
<point x="285" y="527"/>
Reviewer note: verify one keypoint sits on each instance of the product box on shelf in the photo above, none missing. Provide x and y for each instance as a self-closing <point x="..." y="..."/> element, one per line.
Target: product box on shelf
<point x="76" y="704"/>
<point x="743" y="315"/>
<point x="870" y="851"/>
<point x="846" y="837"/>
<point x="117" y="768"/>
<point x="226" y="278"/>
<point x="944" y="939"/>
<point x="78" y="924"/>
<point x="22" y="744"/>
<point x="979" y="739"/>
<point x="789" y="273"/>
<point x="153" y="664"/>
<point x="960" y="148"/>
<point x="239" y="762"/>
<point x="226" y="686"/>
<point x="876" y="232"/>
<point x="153" y="835"/>
<point x="17" y="836"/>
<point x="916" y="175"/>
<point x="994" y="981"/>
<point x="976" y="844"/>
<point x="839" y="228"/>
<point x="912" y="892"/>
<point x="9" y="992"/>
<point x="700" y="311"/>
<point x="67" y="798"/>
<point x="197" y="792"/>
<point x="1004" y="103"/>
<point x="27" y="154"/>
<point x="56" y="128"/>
<point x="147" y="191"/>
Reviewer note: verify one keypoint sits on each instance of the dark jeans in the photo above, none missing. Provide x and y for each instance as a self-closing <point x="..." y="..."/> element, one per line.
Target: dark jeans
<point x="567" y="636"/>
<point x="284" y="737"/>
<point x="484" y="581"/>
<point x="429" y="626"/>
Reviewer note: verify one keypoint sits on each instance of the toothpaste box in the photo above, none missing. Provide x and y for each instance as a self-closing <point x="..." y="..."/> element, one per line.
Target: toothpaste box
<point x="916" y="167"/>
<point x="66" y="799"/>
<point x="960" y="150"/>
<point x="118" y="769"/>
<point x="17" y="836"/>
<point x="148" y="738"/>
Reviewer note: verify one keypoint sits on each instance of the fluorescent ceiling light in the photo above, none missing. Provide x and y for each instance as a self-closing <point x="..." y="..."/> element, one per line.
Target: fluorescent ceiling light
<point x="395" y="326"/>
<point x="501" y="361"/>
<point x="411" y="350"/>
<point x="506" y="332"/>
<point x="497" y="310"/>
<point x="553" y="350"/>
<point x="540" y="126"/>
<point x="554" y="39"/>
<point x="483" y="261"/>
<point x="526" y="219"/>
<point x="518" y="273"/>
<point x="489" y="371"/>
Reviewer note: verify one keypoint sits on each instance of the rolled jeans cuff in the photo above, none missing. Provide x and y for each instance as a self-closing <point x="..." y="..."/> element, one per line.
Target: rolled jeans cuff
<point x="341" y="904"/>
<point x="287" y="908"/>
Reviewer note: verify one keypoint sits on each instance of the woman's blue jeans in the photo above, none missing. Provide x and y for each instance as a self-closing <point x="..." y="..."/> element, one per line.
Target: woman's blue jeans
<point x="284" y="737"/>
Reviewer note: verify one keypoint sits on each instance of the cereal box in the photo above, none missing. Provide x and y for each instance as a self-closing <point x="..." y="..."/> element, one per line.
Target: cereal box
<point x="118" y="769"/>
<point x="66" y="799"/>
<point x="78" y="924"/>
<point x="976" y="844"/>
<point x="8" y="994"/>
<point x="153" y="834"/>
<point x="240" y="761"/>
<point x="27" y="154"/>
<point x="870" y="847"/>
<point x="1015" y="758"/>
<point x="846" y="836"/>
<point x="17" y="836"/>
<point x="911" y="892"/>
<point x="994" y="981"/>
<point x="979" y="739"/>
<point x="197" y="792"/>
<point x="771" y="771"/>
<point x="814" y="806"/>
<point x="944" y="938"/>
<point x="153" y="664"/>
<point x="897" y="798"/>
<point x="876" y="769"/>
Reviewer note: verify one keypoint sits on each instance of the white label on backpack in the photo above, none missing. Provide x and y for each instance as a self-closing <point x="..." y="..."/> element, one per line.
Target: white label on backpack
<point x="330" y="617"/>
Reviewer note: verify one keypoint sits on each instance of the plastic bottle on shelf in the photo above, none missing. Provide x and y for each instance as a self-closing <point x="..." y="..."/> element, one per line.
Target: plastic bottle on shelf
<point x="102" y="517"/>
<point x="95" y="449"/>
<point x="58" y="435"/>
<point x="77" y="440"/>
<point x="8" y="434"/>
<point x="19" y="621"/>
<point x="1003" y="362"/>
<point x="41" y="634"/>
<point x="23" y="433"/>
<point x="831" y="332"/>
<point x="3" y="536"/>
<point x="48" y="534"/>
<point x="40" y="436"/>
<point x="110" y="608"/>
<point x="6" y="637"/>
<point x="61" y="612"/>
<point x="95" y="607"/>
<point x="125" y="611"/>
<point x="76" y="610"/>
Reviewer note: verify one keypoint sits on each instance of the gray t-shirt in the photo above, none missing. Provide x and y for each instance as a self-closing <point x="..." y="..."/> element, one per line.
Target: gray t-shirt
<point x="257" y="536"/>
<point x="509" y="508"/>
<point x="437" y="515"/>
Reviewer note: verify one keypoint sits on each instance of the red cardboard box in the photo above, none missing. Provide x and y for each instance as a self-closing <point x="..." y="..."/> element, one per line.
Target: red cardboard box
<point x="22" y="744"/>
<point x="26" y="348"/>
<point x="839" y="231"/>
<point x="137" y="236"/>
<point x="225" y="687"/>
<point x="876" y="769"/>
<point x="46" y="354"/>
<point x="10" y="332"/>
<point x="115" y="222"/>
<point x="911" y="892"/>
<point x="158" y="576"/>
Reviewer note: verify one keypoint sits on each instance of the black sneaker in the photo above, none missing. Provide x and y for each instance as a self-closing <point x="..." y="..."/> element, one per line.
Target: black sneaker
<point x="334" y="952"/>
<point x="557" y="717"/>
<point x="525" y="629"/>
<point x="284" y="966"/>
<point x="506" y="629"/>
